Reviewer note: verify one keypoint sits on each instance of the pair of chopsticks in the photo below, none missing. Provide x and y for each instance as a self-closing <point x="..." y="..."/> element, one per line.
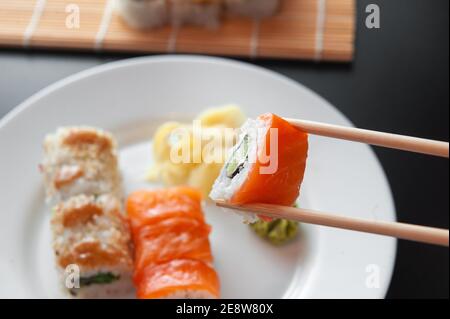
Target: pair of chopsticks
<point x="430" y="235"/>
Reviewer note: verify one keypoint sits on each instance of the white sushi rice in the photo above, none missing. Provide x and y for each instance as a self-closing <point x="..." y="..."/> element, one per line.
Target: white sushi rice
<point x="143" y="14"/>
<point x="201" y="12"/>
<point x="121" y="288"/>
<point x="252" y="8"/>
<point x="191" y="294"/>
<point x="224" y="187"/>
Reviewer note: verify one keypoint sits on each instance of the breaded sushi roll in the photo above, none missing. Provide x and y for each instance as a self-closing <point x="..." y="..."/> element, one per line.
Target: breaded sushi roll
<point x="252" y="8"/>
<point x="80" y="160"/>
<point x="144" y="14"/>
<point x="204" y="13"/>
<point x="267" y="164"/>
<point x="91" y="234"/>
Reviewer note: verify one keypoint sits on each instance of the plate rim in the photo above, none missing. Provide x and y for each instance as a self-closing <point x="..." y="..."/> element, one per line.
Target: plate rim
<point x="188" y="58"/>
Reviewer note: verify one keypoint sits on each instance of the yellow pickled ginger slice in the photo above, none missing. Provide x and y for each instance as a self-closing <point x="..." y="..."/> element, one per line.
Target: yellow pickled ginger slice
<point x="226" y="116"/>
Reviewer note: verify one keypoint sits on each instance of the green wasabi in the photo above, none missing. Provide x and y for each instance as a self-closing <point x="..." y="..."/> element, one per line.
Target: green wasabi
<point x="278" y="231"/>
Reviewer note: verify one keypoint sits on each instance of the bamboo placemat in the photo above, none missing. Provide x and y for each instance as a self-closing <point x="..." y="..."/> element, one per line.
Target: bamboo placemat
<point x="303" y="29"/>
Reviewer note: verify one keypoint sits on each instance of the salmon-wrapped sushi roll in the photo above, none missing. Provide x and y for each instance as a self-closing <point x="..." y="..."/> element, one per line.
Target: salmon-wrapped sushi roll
<point x="91" y="234"/>
<point x="175" y="238"/>
<point x="80" y="160"/>
<point x="267" y="164"/>
<point x="179" y="279"/>
<point x="150" y="207"/>
<point x="173" y="256"/>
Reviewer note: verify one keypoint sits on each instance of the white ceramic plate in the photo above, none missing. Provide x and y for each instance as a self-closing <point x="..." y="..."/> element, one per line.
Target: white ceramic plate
<point x="130" y="98"/>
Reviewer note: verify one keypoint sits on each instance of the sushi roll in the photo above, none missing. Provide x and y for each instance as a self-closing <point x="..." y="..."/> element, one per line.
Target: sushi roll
<point x="267" y="164"/>
<point x="179" y="279"/>
<point x="92" y="234"/>
<point x="173" y="257"/>
<point x="252" y="8"/>
<point x="175" y="238"/>
<point x="205" y="13"/>
<point x="80" y="160"/>
<point x="147" y="208"/>
<point x="144" y="14"/>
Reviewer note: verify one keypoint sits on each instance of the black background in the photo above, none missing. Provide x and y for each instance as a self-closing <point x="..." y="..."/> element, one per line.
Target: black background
<point x="398" y="83"/>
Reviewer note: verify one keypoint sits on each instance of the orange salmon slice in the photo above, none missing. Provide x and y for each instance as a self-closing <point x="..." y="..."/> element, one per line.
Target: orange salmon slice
<point x="177" y="277"/>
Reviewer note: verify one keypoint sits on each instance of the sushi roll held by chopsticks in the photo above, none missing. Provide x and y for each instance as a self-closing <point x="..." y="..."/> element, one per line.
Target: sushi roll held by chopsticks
<point x="266" y="165"/>
<point x="252" y="8"/>
<point x="205" y="13"/>
<point x="91" y="234"/>
<point x="144" y="14"/>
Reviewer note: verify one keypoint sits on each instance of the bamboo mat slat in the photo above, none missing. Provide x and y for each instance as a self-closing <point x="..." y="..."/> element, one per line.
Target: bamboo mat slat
<point x="303" y="29"/>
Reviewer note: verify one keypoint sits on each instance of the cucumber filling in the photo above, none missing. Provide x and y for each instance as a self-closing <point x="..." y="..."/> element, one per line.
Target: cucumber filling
<point x="98" y="279"/>
<point x="238" y="158"/>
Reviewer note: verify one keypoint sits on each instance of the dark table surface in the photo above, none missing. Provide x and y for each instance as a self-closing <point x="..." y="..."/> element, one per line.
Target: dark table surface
<point x="399" y="82"/>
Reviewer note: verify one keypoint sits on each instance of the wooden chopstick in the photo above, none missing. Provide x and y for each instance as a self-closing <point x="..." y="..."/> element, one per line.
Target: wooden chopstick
<point x="401" y="142"/>
<point x="430" y="235"/>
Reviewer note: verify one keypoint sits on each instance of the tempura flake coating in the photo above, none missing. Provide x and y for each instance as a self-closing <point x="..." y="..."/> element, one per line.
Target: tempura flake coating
<point x="80" y="160"/>
<point x="93" y="234"/>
